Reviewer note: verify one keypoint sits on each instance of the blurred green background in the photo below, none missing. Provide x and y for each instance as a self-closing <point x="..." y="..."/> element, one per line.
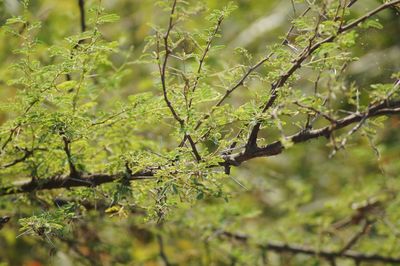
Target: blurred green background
<point x="287" y="198"/>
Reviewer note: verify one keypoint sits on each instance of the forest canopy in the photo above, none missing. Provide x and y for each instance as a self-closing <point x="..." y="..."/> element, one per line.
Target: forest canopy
<point x="182" y="132"/>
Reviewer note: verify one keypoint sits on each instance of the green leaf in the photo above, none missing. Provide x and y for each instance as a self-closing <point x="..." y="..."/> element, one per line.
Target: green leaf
<point x="15" y="20"/>
<point x="109" y="18"/>
<point x="66" y="85"/>
<point x="373" y="23"/>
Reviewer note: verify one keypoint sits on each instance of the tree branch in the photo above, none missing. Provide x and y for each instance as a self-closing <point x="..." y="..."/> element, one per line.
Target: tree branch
<point x="384" y="108"/>
<point x="55" y="182"/>
<point x="252" y="140"/>
<point x="194" y="149"/>
<point x="328" y="255"/>
<point x="27" y="154"/>
<point x="275" y="148"/>
<point x="67" y="149"/>
<point x="241" y="81"/>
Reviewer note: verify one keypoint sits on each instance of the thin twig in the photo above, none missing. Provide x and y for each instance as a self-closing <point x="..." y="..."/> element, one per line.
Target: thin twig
<point x="252" y="140"/>
<point x="193" y="145"/>
<point x="163" y="255"/>
<point x="327" y="117"/>
<point x="204" y="55"/>
<point x="163" y="66"/>
<point x="357" y="236"/>
<point x="67" y="149"/>
<point x="81" y="4"/>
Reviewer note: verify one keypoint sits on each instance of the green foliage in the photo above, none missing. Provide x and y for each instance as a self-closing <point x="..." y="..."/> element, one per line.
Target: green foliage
<point x="145" y="147"/>
<point x="48" y="224"/>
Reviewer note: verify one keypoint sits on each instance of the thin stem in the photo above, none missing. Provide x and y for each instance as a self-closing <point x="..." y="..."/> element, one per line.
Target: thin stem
<point x="81" y="4"/>
<point x="204" y="55"/>
<point x="163" y="66"/>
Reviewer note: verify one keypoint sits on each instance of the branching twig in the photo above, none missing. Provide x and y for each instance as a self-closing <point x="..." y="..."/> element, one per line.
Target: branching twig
<point x="27" y="154"/>
<point x="281" y="81"/>
<point x="204" y="55"/>
<point x="163" y="66"/>
<point x="384" y="108"/>
<point x="67" y="149"/>
<point x="241" y="81"/>
<point x="327" y="117"/>
<point x="357" y="236"/>
<point x="81" y="5"/>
